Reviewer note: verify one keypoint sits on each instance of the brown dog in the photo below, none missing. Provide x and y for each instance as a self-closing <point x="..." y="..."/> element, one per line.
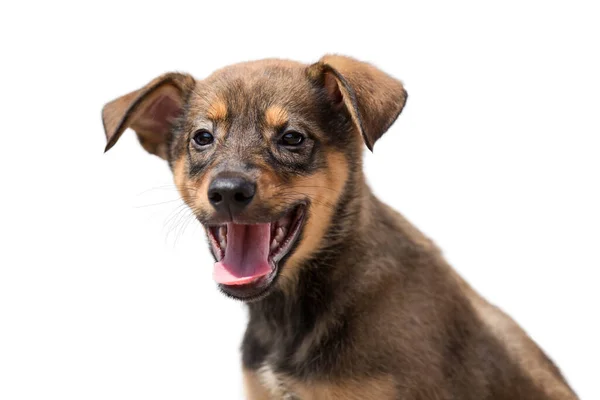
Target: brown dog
<point x="347" y="299"/>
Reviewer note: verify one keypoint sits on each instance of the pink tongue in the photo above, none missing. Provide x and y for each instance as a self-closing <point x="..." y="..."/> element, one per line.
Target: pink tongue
<point x="246" y="255"/>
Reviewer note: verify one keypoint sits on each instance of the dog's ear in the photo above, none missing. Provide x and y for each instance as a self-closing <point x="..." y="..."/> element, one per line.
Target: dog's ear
<point x="149" y="111"/>
<point x="373" y="98"/>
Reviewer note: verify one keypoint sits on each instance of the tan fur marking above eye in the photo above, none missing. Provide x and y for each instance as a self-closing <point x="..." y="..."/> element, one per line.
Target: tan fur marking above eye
<point x="276" y="116"/>
<point x="323" y="189"/>
<point x="217" y="111"/>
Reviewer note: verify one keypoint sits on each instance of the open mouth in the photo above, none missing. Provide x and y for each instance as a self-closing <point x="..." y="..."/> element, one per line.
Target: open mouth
<point x="248" y="254"/>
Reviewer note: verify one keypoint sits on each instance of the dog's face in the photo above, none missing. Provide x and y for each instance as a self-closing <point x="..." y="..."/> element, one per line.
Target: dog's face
<point x="261" y="152"/>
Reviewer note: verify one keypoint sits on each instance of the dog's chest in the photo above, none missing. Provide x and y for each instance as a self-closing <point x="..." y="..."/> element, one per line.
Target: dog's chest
<point x="276" y="384"/>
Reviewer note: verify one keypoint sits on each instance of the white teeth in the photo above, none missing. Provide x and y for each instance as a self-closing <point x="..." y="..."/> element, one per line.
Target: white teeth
<point x="284" y="221"/>
<point x="222" y="236"/>
<point x="278" y="235"/>
<point x="274" y="245"/>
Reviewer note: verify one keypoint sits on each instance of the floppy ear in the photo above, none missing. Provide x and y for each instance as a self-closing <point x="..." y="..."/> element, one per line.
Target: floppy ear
<point x="373" y="98"/>
<point x="149" y="111"/>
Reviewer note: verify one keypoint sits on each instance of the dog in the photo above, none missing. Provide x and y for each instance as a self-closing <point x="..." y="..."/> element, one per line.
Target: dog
<point x="346" y="299"/>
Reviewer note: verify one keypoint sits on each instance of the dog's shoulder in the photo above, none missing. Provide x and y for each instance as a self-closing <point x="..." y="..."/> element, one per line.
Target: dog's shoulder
<point x="520" y="349"/>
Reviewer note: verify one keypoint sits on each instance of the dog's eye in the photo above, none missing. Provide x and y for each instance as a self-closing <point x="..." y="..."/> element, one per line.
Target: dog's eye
<point x="292" y="138"/>
<point x="203" y="137"/>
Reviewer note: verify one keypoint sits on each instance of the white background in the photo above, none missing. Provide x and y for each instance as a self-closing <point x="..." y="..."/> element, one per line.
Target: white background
<point x="104" y="293"/>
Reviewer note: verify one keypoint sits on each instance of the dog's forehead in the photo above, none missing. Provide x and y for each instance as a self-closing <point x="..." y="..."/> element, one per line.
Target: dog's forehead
<point x="256" y="86"/>
<point x="258" y="70"/>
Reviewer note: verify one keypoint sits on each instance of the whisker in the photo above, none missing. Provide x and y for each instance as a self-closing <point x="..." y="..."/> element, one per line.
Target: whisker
<point x="158" y="204"/>
<point x="164" y="187"/>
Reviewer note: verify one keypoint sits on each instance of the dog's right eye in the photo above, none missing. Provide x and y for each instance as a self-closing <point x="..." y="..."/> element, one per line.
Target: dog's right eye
<point x="291" y="138"/>
<point x="203" y="137"/>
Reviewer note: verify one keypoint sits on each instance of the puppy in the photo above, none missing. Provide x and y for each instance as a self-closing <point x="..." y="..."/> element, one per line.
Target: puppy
<point x="346" y="299"/>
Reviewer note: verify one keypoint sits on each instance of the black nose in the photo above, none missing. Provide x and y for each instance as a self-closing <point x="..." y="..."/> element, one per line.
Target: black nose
<point x="231" y="193"/>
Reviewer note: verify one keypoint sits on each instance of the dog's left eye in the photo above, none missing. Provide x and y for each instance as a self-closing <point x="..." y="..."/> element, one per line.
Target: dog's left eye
<point x="203" y="137"/>
<point x="291" y="138"/>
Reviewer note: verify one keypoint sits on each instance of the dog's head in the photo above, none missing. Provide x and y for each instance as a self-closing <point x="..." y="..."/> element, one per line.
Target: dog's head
<point x="261" y="152"/>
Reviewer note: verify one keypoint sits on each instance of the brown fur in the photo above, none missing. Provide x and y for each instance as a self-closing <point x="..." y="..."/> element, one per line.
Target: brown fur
<point x="372" y="388"/>
<point x="323" y="189"/>
<point x="365" y="306"/>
